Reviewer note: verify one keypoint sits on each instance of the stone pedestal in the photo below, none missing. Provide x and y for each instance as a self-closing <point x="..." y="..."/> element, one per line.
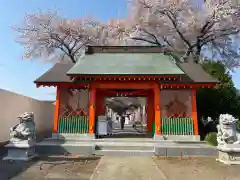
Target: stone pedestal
<point x="229" y="154"/>
<point x="23" y="150"/>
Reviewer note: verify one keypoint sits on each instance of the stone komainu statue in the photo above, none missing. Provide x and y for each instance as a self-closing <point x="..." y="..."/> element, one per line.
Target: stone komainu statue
<point x="227" y="131"/>
<point x="25" y="130"/>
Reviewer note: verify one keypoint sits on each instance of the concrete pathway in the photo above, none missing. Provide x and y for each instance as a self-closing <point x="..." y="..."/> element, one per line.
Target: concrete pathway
<point x="127" y="168"/>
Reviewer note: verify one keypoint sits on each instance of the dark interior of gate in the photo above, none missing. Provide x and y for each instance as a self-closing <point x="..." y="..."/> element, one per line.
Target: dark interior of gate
<point x="124" y="114"/>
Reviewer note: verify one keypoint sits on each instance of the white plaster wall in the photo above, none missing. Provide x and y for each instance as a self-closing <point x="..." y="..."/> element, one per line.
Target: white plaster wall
<point x="12" y="105"/>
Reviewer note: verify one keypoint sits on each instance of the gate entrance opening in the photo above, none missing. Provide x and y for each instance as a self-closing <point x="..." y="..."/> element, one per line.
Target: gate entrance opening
<point x="126" y="113"/>
<point x="126" y="116"/>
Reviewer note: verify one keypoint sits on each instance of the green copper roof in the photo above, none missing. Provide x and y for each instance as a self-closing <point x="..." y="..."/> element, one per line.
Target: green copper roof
<point x="125" y="64"/>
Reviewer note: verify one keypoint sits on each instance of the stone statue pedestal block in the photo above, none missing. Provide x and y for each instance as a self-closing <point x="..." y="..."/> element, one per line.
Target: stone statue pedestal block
<point x="229" y="154"/>
<point x="23" y="150"/>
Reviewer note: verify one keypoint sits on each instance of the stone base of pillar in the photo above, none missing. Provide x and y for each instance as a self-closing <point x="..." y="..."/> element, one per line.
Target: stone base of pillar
<point x="23" y="151"/>
<point x="229" y="154"/>
<point x="176" y="137"/>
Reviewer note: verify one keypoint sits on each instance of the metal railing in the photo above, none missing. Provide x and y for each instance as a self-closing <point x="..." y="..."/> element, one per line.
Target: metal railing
<point x="177" y="126"/>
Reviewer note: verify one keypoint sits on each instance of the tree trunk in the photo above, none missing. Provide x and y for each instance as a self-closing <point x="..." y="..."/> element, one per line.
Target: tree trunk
<point x="198" y="52"/>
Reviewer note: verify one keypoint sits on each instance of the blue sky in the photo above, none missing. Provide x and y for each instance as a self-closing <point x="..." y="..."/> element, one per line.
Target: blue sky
<point x="17" y="75"/>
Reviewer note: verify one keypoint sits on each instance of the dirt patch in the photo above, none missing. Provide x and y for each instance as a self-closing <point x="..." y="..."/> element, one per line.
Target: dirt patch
<point x="50" y="168"/>
<point x="197" y="169"/>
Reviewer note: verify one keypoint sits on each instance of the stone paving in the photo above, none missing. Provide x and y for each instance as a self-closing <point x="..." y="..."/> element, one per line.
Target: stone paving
<point x="118" y="168"/>
<point x="49" y="168"/>
<point x="197" y="168"/>
<point x="127" y="168"/>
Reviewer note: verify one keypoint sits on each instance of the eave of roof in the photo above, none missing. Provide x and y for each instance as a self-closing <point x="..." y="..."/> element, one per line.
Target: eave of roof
<point x="57" y="74"/>
<point x="195" y="73"/>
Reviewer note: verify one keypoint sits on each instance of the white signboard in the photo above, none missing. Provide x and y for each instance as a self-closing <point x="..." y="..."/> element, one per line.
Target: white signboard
<point x="102" y="125"/>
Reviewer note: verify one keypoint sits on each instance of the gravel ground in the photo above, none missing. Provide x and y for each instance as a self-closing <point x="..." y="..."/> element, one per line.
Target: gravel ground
<point x="57" y="168"/>
<point x="197" y="169"/>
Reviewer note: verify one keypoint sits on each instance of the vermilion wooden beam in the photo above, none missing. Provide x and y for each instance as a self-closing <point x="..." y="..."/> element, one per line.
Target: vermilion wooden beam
<point x="136" y="93"/>
<point x="79" y="85"/>
<point x="163" y="86"/>
<point x="182" y="85"/>
<point x="120" y="85"/>
<point x="56" y="114"/>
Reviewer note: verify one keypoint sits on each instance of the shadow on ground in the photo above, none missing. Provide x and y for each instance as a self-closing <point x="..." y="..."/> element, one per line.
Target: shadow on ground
<point x="10" y="169"/>
<point x="57" y="167"/>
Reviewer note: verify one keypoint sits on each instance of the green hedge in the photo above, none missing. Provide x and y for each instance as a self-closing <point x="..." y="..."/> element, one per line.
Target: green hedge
<point x="211" y="138"/>
<point x="238" y="125"/>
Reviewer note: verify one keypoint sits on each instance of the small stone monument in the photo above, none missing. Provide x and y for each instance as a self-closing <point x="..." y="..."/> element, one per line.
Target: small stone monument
<point x="228" y="140"/>
<point x="22" y="139"/>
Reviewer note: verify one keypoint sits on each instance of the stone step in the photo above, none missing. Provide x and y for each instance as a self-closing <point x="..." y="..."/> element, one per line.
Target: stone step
<point x="133" y="138"/>
<point x="105" y="140"/>
<point x="63" y="148"/>
<point x="108" y="149"/>
<point x="124" y="146"/>
<point x="124" y="152"/>
<point x="185" y="151"/>
<point x="88" y="146"/>
<point x="127" y="140"/>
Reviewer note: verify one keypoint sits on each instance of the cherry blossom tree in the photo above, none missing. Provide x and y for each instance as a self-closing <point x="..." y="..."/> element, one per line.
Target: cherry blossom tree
<point x="51" y="37"/>
<point x="183" y="27"/>
<point x="193" y="29"/>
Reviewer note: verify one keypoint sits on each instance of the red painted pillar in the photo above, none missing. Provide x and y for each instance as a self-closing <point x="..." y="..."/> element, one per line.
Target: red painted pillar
<point x="150" y="111"/>
<point x="194" y="112"/>
<point x="157" y="109"/>
<point x="92" y="108"/>
<point x="57" y="107"/>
